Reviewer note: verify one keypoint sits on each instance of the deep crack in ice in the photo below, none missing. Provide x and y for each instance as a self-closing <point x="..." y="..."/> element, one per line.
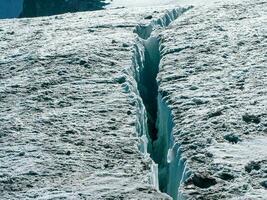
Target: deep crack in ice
<point x="155" y="121"/>
<point x="148" y="86"/>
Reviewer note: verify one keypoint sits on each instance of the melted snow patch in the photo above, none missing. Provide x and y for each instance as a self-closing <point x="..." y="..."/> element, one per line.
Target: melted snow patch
<point x="239" y="154"/>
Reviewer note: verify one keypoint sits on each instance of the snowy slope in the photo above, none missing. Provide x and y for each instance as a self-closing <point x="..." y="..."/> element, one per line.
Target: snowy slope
<point x="214" y="78"/>
<point x="67" y="120"/>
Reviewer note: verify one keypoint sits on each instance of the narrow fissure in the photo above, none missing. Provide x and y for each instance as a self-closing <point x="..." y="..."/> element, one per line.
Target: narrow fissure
<point x="164" y="152"/>
<point x="148" y="86"/>
<point x="155" y="121"/>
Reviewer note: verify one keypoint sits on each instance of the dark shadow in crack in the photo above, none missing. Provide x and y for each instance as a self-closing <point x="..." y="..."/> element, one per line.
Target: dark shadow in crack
<point x="148" y="85"/>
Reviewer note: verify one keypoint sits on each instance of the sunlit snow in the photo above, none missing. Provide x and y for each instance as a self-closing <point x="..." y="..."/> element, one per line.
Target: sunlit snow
<point x="139" y="3"/>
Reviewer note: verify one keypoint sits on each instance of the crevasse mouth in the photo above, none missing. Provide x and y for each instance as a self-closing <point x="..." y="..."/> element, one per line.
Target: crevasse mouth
<point x="155" y="121"/>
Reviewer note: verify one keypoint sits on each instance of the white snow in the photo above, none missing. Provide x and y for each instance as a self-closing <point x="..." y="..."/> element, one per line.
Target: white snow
<point x="150" y="3"/>
<point x="241" y="153"/>
<point x="139" y="3"/>
<point x="238" y="156"/>
<point x="81" y="112"/>
<point x="93" y="152"/>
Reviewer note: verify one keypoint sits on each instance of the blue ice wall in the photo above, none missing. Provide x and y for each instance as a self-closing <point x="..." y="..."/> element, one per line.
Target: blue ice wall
<point x="10" y="8"/>
<point x="167" y="153"/>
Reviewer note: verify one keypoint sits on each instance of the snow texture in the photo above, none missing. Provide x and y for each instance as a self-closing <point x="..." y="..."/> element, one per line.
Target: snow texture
<point x="213" y="76"/>
<point x="67" y="117"/>
<point x="74" y="123"/>
<point x="139" y="3"/>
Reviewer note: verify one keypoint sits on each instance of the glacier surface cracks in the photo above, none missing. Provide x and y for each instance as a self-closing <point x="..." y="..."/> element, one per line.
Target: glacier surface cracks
<point x="154" y="119"/>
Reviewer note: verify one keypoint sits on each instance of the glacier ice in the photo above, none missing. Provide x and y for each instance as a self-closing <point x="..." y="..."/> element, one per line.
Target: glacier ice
<point x="155" y="121"/>
<point x="154" y="175"/>
<point x="10" y="8"/>
<point x="35" y="8"/>
<point x="207" y="62"/>
<point x="167" y="152"/>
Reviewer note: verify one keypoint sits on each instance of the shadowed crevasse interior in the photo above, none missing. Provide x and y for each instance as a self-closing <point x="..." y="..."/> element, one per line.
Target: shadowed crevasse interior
<point x="155" y="118"/>
<point x="148" y="86"/>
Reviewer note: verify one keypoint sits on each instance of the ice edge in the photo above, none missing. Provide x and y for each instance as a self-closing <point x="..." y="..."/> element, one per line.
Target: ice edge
<point x="168" y="168"/>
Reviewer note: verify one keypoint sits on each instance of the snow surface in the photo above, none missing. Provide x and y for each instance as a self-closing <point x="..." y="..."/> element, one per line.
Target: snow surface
<point x="238" y="156"/>
<point x="139" y="3"/>
<point x="153" y="3"/>
<point x="67" y="120"/>
<point x="213" y="74"/>
<point x="72" y="118"/>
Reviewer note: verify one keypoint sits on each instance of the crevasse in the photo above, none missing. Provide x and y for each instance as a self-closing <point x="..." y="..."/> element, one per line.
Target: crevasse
<point x="154" y="119"/>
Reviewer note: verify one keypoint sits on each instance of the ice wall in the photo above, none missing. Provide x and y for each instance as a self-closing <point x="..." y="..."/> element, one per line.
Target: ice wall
<point x="10" y="8"/>
<point x="35" y="8"/>
<point x="154" y="119"/>
<point x="167" y="153"/>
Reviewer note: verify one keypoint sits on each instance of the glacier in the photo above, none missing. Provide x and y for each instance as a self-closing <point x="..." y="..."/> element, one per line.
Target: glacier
<point x="168" y="170"/>
<point x="77" y="108"/>
<point x="152" y="100"/>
